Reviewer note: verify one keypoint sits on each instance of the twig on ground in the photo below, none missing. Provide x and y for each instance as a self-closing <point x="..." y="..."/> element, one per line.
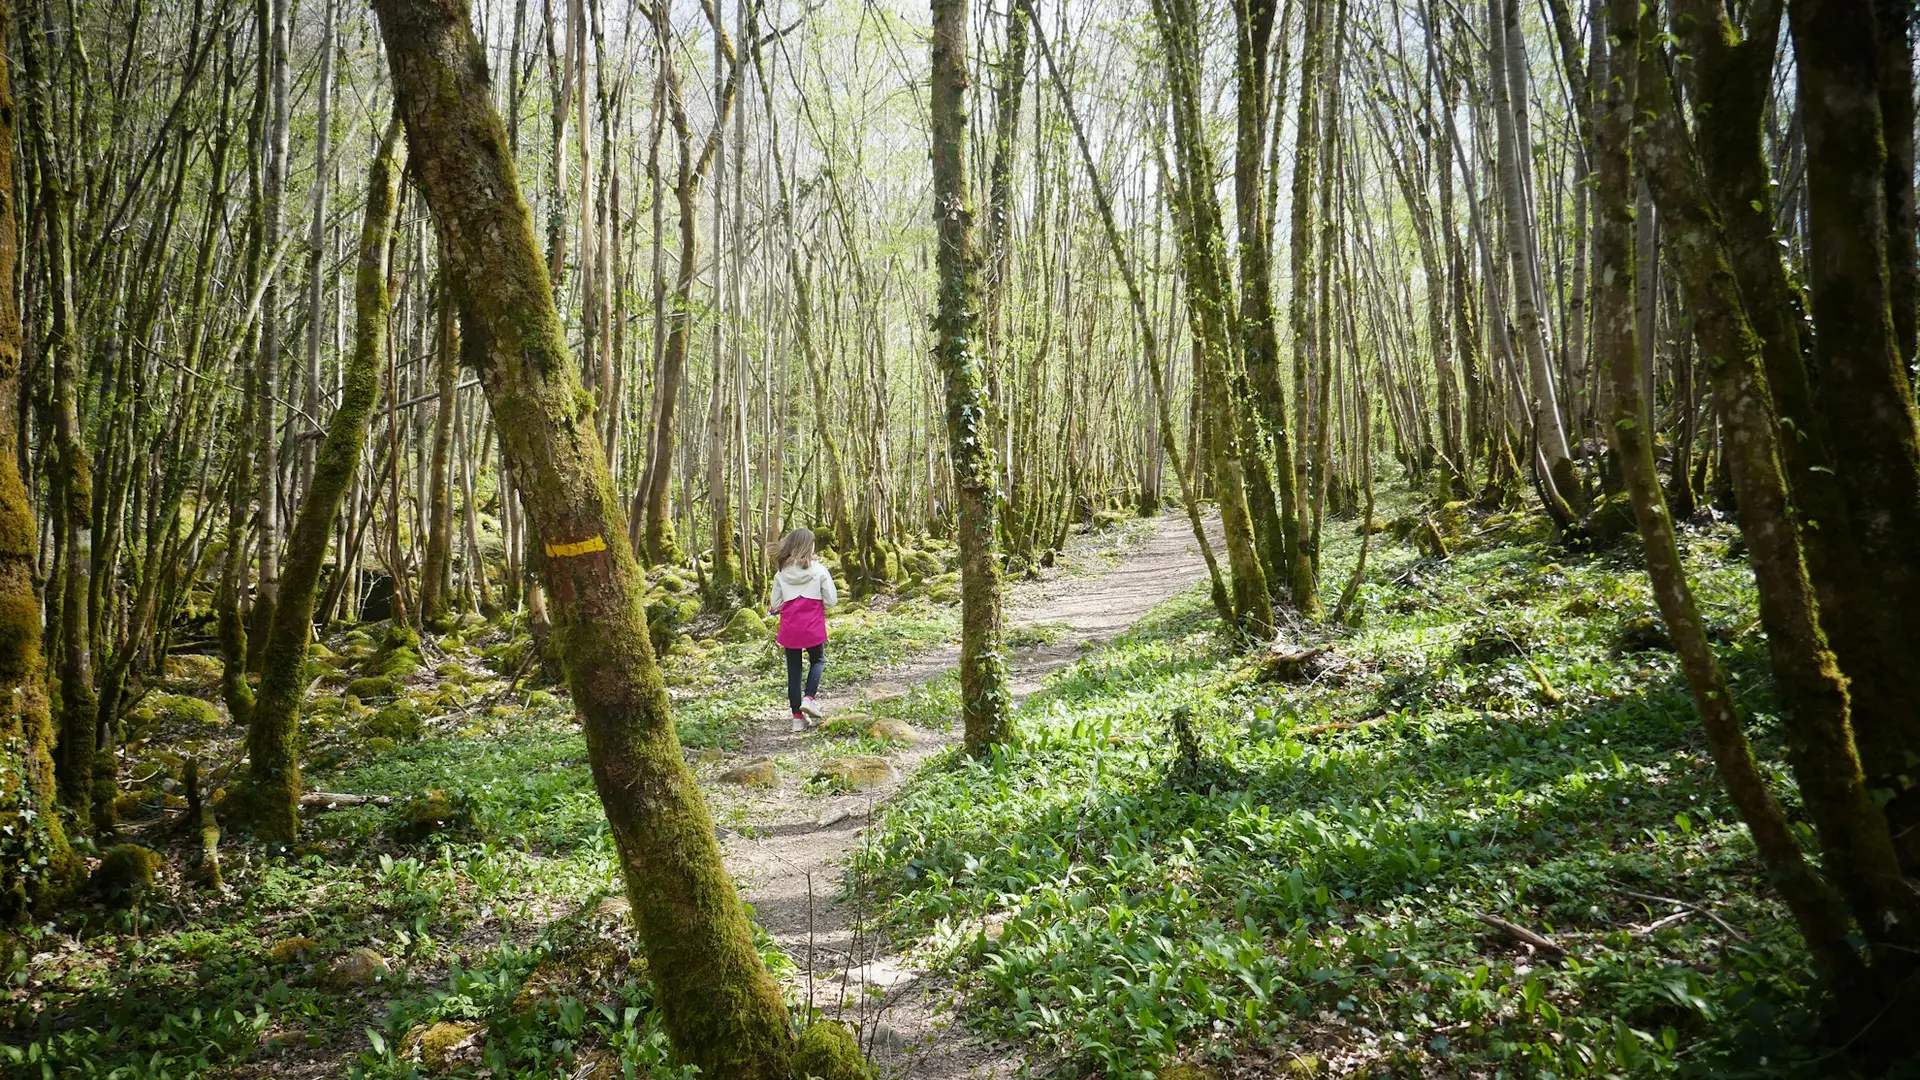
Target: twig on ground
<point x="1521" y="933"/>
<point x="326" y="800"/>
<point x="1690" y="906"/>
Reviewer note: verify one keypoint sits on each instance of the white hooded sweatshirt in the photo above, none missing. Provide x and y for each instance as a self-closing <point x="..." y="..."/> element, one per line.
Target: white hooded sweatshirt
<point x="812" y="581"/>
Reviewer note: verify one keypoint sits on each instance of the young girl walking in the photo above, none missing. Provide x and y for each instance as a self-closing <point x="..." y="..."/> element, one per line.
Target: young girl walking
<point x="803" y="590"/>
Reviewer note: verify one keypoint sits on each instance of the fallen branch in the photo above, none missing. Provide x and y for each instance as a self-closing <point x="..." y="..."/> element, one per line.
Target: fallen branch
<point x="1521" y="933"/>
<point x="327" y="800"/>
<point x="1696" y="908"/>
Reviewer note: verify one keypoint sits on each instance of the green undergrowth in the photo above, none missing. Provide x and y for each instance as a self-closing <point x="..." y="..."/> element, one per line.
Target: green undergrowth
<point x="1503" y="733"/>
<point x="462" y="913"/>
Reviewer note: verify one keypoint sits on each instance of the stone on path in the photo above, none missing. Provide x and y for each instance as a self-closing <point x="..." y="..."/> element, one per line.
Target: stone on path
<point x="887" y="729"/>
<point x="857" y="773"/>
<point x="753" y="774"/>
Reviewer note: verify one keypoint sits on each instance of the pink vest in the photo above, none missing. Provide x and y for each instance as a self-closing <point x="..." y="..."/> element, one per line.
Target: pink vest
<point x="803" y="623"/>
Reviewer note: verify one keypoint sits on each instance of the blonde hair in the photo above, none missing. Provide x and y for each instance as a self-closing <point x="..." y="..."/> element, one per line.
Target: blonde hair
<point x="796" y="547"/>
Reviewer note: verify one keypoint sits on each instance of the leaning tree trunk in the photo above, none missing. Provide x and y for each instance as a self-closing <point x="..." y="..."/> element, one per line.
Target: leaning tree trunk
<point x="1859" y="856"/>
<point x="721" y="1008"/>
<point x="269" y="799"/>
<point x="37" y="868"/>
<point x="986" y="706"/>
<point x="1815" y="905"/>
<point x="1730" y="76"/>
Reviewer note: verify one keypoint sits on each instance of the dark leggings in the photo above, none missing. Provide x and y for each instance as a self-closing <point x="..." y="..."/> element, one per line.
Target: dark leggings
<point x="816" y="663"/>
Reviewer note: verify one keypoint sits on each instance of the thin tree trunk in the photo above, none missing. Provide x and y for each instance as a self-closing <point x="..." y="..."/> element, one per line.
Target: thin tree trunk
<point x="269" y="799"/>
<point x="275" y="17"/>
<point x="986" y="706"/>
<point x="1149" y="343"/>
<point x="436" y="570"/>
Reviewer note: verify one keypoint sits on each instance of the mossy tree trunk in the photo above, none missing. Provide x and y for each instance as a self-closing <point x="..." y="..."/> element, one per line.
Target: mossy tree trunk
<point x="1893" y="36"/>
<point x="1863" y="388"/>
<point x="1815" y="905"/>
<point x="1255" y="22"/>
<point x="721" y="1008"/>
<point x="657" y="478"/>
<point x="1560" y="483"/>
<point x="269" y="798"/>
<point x="1143" y="321"/>
<point x="1202" y="251"/>
<point x="1302" y="586"/>
<point x="37" y="868"/>
<point x="71" y="477"/>
<point x="1730" y="76"/>
<point x="985" y="704"/>
<point x="1856" y="842"/>
<point x="840" y="519"/>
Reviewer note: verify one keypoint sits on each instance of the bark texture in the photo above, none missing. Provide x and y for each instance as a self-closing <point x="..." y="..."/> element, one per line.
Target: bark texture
<point x="985" y="704"/>
<point x="721" y="1008"/>
<point x="37" y="867"/>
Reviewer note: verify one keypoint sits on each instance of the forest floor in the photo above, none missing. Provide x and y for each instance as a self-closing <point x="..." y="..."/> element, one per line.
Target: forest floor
<point x="1473" y="832"/>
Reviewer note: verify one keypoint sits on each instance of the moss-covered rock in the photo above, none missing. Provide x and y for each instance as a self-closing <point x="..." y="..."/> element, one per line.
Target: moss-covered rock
<point x="373" y="688"/>
<point x="746" y="625"/>
<point x="444" y="1046"/>
<point x="887" y="729"/>
<point x="1642" y="633"/>
<point x="430" y="813"/>
<point x="291" y="950"/>
<point x="326" y="708"/>
<point x="361" y="967"/>
<point x="828" y="1051"/>
<point x="125" y="873"/>
<point x="399" y="721"/>
<point x="191" y="672"/>
<point x="847" y="724"/>
<point x="857" y="773"/>
<point x="1609" y="522"/>
<point x="667" y="616"/>
<point x="398" y="656"/>
<point x="186" y="711"/>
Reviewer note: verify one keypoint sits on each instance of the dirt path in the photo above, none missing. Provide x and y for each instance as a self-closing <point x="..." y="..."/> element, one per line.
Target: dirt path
<point x="787" y="847"/>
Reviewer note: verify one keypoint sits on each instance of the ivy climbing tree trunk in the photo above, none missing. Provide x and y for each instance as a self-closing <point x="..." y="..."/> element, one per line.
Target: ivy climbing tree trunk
<point x="983" y="671"/>
<point x="269" y="799"/>
<point x="37" y="867"/>
<point x="722" y="1010"/>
